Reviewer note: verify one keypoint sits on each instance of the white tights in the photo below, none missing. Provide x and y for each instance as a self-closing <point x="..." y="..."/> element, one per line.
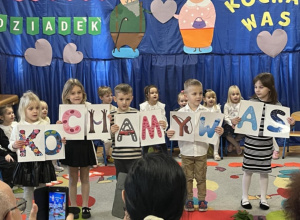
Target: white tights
<point x="264" y="179"/>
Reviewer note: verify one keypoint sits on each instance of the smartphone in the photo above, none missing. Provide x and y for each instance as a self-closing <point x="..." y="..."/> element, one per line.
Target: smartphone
<point x="52" y="202"/>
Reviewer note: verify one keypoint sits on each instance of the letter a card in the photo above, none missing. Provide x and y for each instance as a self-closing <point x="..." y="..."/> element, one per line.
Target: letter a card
<point x="151" y="132"/>
<point x="183" y="123"/>
<point x="73" y="120"/>
<point x="34" y="148"/>
<point x="98" y="126"/>
<point x="250" y="114"/>
<point x="128" y="134"/>
<point x="54" y="148"/>
<point x="276" y="124"/>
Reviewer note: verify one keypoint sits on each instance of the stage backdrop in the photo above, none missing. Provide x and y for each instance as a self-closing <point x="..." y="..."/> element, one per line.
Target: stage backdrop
<point x="235" y="58"/>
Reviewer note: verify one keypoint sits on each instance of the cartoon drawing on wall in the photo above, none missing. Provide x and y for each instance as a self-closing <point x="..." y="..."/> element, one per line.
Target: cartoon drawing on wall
<point x="129" y="128"/>
<point x="98" y="122"/>
<point x="71" y="55"/>
<point x="127" y="28"/>
<point x="183" y="125"/>
<point x="34" y="149"/>
<point x="196" y="23"/>
<point x="163" y="11"/>
<point x="272" y="45"/>
<point x="41" y="55"/>
<point x="54" y="148"/>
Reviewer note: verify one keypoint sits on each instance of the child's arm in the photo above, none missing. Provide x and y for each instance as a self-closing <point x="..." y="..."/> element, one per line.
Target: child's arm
<point x="114" y="128"/>
<point x="291" y="121"/>
<point x="170" y="133"/>
<point x="226" y="115"/>
<point x="219" y="130"/>
<point x="163" y="124"/>
<point x="14" y="142"/>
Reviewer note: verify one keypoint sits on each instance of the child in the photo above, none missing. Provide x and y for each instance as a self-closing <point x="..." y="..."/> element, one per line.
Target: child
<point x="105" y="94"/>
<point x="30" y="174"/>
<point x="194" y="153"/>
<point x="181" y="100"/>
<point x="79" y="153"/>
<point x="292" y="205"/>
<point x="44" y="116"/>
<point x="152" y="103"/>
<point x="210" y="102"/>
<point x="258" y="150"/>
<point x="231" y="111"/>
<point x="8" y="159"/>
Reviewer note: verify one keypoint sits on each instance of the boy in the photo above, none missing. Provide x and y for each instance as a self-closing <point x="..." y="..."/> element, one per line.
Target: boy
<point x="123" y="156"/>
<point x="194" y="153"/>
<point x="105" y="94"/>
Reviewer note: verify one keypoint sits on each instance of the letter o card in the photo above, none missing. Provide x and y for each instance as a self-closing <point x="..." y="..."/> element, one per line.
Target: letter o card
<point x="183" y="123"/>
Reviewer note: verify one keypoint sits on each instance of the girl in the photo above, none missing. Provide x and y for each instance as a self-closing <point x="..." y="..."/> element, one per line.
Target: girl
<point x="231" y="111"/>
<point x="30" y="174"/>
<point x="79" y="153"/>
<point x="8" y="159"/>
<point x="181" y="100"/>
<point x="259" y="160"/>
<point x="152" y="103"/>
<point x="210" y="102"/>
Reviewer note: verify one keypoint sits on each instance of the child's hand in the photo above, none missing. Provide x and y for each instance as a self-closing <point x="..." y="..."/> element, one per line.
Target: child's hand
<point x="64" y="140"/>
<point x="170" y="133"/>
<point x="109" y="116"/>
<point x="8" y="158"/>
<point x="219" y="130"/>
<point x="291" y="121"/>
<point x="235" y="121"/>
<point x="18" y="144"/>
<point x="114" y="128"/>
<point x="233" y="127"/>
<point x="163" y="124"/>
<point x="58" y="122"/>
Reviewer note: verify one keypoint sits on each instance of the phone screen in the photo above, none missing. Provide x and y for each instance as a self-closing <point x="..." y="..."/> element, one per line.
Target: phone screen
<point x="57" y="205"/>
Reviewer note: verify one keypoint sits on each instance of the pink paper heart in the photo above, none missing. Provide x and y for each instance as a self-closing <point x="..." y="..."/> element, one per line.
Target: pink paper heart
<point x="273" y="44"/>
<point x="163" y="12"/>
<point x="41" y="55"/>
<point x="70" y="54"/>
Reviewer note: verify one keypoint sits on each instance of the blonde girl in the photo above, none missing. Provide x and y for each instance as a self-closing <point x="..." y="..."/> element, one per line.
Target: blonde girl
<point x="30" y="174"/>
<point x="79" y="153"/>
<point x="44" y="111"/>
<point x="210" y="102"/>
<point x="152" y="103"/>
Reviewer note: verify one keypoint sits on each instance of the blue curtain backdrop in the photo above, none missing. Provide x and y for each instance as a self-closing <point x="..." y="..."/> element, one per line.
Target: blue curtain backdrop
<point x="235" y="58"/>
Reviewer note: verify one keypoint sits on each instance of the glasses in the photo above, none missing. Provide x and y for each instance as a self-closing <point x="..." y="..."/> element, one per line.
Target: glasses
<point x="21" y="205"/>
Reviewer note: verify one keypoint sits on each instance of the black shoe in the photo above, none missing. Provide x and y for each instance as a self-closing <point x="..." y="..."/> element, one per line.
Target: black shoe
<point x="246" y="205"/>
<point x="86" y="212"/>
<point x="75" y="211"/>
<point x="264" y="206"/>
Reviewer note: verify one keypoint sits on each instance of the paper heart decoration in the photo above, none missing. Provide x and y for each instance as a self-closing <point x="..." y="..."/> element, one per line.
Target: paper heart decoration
<point x="273" y="44"/>
<point x="163" y="12"/>
<point x="41" y="55"/>
<point x="70" y="54"/>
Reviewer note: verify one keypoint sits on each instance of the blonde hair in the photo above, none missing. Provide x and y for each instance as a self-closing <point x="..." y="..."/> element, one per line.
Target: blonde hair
<point x="43" y="102"/>
<point x="191" y="82"/>
<point x="28" y="98"/>
<point x="123" y="88"/>
<point x="230" y="91"/>
<point x="102" y="90"/>
<point x="180" y="95"/>
<point x="213" y="94"/>
<point x="69" y="85"/>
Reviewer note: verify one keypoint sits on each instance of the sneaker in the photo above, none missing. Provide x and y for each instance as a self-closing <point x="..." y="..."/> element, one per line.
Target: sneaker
<point x="217" y="157"/>
<point x="58" y="168"/>
<point x="275" y="155"/>
<point x="202" y="206"/>
<point x="109" y="159"/>
<point x="189" y="206"/>
<point x="179" y="155"/>
<point x="86" y="212"/>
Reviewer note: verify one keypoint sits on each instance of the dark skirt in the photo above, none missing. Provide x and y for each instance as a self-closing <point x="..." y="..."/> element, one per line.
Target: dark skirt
<point x="80" y="153"/>
<point x="34" y="173"/>
<point x="228" y="130"/>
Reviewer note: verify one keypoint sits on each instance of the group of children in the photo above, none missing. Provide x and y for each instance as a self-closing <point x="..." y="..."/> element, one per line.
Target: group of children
<point x="81" y="155"/>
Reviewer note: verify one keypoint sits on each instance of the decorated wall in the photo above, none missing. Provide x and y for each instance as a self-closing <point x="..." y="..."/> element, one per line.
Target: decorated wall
<point x="219" y="42"/>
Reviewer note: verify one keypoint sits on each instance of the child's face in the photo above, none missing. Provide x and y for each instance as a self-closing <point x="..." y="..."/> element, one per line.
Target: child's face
<point x="44" y="110"/>
<point x="182" y="100"/>
<point x="107" y="98"/>
<point x="123" y="101"/>
<point x="210" y="100"/>
<point x="75" y="95"/>
<point x="261" y="91"/>
<point x="8" y="116"/>
<point x="32" y="112"/>
<point x="153" y="95"/>
<point x="235" y="96"/>
<point x="194" y="96"/>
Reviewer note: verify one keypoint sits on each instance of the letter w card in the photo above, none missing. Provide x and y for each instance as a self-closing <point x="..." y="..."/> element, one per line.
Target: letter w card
<point x="183" y="123"/>
<point x="206" y="125"/>
<point x="34" y="148"/>
<point x="276" y="124"/>
<point x="128" y="134"/>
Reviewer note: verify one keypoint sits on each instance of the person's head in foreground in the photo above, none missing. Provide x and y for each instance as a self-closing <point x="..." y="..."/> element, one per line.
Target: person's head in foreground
<point x="292" y="204"/>
<point x="155" y="186"/>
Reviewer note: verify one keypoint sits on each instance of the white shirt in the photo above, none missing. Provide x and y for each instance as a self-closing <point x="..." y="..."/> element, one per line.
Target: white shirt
<point x="196" y="148"/>
<point x="231" y="111"/>
<point x="145" y="106"/>
<point x="216" y="109"/>
<point x="8" y="128"/>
